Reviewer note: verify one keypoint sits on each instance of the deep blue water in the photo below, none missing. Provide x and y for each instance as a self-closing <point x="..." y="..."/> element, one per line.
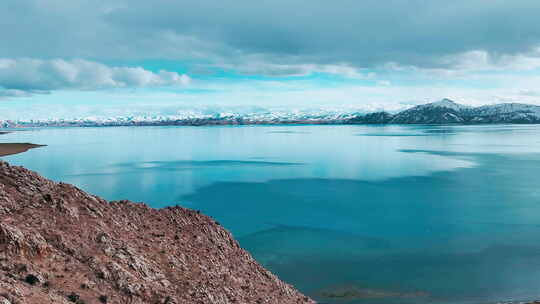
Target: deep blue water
<point x="348" y="214"/>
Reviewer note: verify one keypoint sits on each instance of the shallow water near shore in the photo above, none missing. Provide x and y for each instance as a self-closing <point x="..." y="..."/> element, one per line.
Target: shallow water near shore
<point x="347" y="214"/>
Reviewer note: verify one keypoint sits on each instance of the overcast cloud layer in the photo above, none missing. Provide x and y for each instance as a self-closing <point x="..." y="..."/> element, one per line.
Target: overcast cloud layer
<point x="359" y="33"/>
<point x="52" y="45"/>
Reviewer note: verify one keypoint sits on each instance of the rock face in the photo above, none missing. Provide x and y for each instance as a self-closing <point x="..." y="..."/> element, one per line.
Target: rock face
<point x="59" y="244"/>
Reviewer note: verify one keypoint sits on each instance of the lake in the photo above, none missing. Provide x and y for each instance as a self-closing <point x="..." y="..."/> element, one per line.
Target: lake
<point x="347" y="214"/>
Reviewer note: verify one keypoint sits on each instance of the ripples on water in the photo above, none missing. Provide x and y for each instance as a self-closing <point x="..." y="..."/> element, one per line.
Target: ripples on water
<point x="348" y="214"/>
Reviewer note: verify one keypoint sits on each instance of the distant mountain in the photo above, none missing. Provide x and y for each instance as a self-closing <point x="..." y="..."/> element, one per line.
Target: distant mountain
<point x="441" y="112"/>
<point x="371" y="118"/>
<point x="504" y="113"/>
<point x="447" y="111"/>
<point x="444" y="111"/>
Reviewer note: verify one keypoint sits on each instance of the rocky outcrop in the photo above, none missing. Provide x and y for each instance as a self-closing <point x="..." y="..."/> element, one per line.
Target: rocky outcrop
<point x="59" y="244"/>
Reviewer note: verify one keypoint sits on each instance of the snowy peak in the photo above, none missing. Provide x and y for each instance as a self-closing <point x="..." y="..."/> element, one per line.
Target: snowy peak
<point x="445" y="103"/>
<point x="444" y="111"/>
<point x="447" y="111"/>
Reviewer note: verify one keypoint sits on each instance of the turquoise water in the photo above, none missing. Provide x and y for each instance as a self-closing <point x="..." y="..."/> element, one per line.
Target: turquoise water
<point x="348" y="214"/>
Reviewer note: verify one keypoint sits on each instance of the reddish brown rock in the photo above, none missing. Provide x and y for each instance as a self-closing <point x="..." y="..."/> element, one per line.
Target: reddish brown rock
<point x="59" y="244"/>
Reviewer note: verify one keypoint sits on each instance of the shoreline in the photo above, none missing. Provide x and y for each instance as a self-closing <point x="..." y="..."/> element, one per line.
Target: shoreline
<point x="16" y="148"/>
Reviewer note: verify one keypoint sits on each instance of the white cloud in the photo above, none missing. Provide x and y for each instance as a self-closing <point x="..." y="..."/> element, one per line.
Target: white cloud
<point x="13" y="93"/>
<point x="361" y="33"/>
<point x="481" y="60"/>
<point x="25" y="75"/>
<point x="476" y="61"/>
<point x="257" y="65"/>
<point x="384" y="83"/>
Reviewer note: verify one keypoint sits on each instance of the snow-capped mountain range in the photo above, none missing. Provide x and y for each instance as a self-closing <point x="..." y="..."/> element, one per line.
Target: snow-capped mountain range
<point x="444" y="111"/>
<point x="447" y="111"/>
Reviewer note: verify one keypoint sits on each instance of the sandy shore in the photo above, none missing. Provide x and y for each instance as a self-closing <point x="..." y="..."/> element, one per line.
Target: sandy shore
<point x="14" y="148"/>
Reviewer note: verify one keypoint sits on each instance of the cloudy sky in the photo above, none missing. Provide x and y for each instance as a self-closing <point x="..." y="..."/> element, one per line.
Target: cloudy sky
<point x="78" y="58"/>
